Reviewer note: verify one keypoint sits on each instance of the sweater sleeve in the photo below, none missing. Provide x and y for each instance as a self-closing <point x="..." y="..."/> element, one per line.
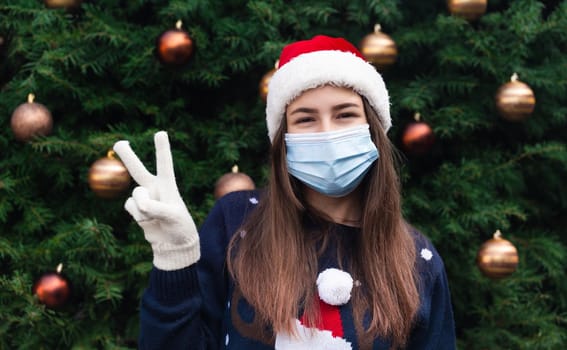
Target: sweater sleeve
<point x="170" y="312"/>
<point x="435" y="328"/>
<point x="184" y="308"/>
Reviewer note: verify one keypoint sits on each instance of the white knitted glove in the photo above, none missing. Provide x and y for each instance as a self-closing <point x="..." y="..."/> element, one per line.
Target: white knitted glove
<point x="158" y="208"/>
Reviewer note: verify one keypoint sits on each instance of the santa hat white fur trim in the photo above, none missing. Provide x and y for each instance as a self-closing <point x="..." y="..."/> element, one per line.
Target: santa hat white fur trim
<point x="314" y="69"/>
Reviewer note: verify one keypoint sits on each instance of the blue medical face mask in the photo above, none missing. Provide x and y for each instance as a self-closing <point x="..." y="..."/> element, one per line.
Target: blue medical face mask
<point x="332" y="163"/>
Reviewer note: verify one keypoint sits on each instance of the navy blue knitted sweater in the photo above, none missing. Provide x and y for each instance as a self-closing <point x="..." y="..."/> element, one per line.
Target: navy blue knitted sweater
<point x="198" y="307"/>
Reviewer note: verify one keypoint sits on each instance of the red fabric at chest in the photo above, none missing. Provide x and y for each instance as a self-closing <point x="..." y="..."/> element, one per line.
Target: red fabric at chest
<point x="330" y="319"/>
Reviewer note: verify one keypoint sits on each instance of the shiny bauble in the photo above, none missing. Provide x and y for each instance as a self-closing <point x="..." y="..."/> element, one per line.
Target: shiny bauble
<point x="379" y="49"/>
<point x="31" y="119"/>
<point x="264" y="83"/>
<point x="174" y="47"/>
<point x="54" y="4"/>
<point x="468" y="9"/>
<point x="52" y="289"/>
<point x="417" y="137"/>
<point x="515" y="100"/>
<point x="108" y="177"/>
<point x="232" y="182"/>
<point x="497" y="258"/>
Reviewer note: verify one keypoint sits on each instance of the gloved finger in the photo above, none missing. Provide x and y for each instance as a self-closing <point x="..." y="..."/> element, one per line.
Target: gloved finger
<point x="150" y="208"/>
<point x="132" y="208"/>
<point x="131" y="161"/>
<point x="165" y="171"/>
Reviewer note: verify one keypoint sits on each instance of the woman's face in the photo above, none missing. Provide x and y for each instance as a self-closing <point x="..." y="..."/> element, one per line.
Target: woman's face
<point x="326" y="108"/>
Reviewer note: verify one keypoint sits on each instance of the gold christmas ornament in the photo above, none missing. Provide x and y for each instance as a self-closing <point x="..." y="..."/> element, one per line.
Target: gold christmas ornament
<point x="108" y="177"/>
<point x="175" y="47"/>
<point x="379" y="49"/>
<point x="62" y="3"/>
<point x="31" y="119"/>
<point x="418" y="137"/>
<point x="468" y="9"/>
<point x="265" y="82"/>
<point x="515" y="100"/>
<point x="233" y="181"/>
<point x="497" y="258"/>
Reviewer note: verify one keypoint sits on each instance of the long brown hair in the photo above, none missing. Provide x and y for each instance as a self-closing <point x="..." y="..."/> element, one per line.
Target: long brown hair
<point x="275" y="263"/>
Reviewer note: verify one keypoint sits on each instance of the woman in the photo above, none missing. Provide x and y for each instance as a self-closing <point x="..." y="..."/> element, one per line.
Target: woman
<point x="322" y="259"/>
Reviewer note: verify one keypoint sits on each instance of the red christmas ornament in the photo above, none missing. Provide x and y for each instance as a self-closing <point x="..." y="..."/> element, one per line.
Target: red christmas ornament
<point x="52" y="289"/>
<point x="174" y="47"/>
<point x="418" y="137"/>
<point x="55" y="4"/>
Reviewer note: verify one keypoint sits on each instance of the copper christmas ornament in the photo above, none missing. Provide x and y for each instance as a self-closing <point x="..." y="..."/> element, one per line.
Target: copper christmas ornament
<point x="52" y="289"/>
<point x="497" y="258"/>
<point x="467" y="9"/>
<point x="265" y="82"/>
<point x="379" y="48"/>
<point x="233" y="181"/>
<point x="108" y="177"/>
<point x="31" y="119"/>
<point x="62" y="3"/>
<point x="174" y="47"/>
<point x="418" y="137"/>
<point x="515" y="100"/>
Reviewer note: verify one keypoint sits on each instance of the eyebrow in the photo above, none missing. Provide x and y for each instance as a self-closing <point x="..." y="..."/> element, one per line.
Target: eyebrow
<point x="313" y="110"/>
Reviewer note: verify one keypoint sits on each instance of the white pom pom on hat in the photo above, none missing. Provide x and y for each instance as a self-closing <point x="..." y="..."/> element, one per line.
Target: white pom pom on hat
<point x="334" y="286"/>
<point x="308" y="64"/>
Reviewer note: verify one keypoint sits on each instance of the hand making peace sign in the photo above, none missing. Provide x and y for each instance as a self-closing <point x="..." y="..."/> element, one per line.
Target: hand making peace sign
<point x="158" y="208"/>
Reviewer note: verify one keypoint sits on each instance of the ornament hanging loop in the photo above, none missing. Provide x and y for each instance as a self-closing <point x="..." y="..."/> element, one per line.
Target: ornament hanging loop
<point x="111" y="154"/>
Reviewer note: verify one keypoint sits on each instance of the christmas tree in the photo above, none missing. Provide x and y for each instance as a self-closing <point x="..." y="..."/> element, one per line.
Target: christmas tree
<point x="94" y="66"/>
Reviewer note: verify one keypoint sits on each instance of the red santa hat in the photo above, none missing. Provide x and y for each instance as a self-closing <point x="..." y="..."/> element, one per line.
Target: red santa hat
<point x="308" y="64"/>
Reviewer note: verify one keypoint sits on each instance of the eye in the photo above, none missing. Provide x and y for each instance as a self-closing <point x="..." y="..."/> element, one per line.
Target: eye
<point x="305" y="119"/>
<point x="347" y="115"/>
